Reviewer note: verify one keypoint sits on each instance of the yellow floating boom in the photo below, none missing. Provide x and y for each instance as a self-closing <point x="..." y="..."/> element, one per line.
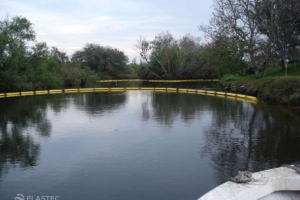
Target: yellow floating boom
<point x="238" y="97"/>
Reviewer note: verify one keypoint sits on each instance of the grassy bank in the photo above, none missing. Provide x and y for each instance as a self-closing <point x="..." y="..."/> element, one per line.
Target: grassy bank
<point x="275" y="88"/>
<point x="292" y="70"/>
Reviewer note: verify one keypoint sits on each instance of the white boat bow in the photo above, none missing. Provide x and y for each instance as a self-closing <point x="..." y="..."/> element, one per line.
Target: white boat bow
<point x="278" y="183"/>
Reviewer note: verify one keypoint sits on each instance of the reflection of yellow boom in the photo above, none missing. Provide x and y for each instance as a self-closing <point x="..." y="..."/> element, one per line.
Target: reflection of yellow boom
<point x="124" y="89"/>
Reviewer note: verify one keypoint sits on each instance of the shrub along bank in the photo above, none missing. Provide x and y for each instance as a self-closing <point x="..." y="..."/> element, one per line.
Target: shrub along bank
<point x="274" y="90"/>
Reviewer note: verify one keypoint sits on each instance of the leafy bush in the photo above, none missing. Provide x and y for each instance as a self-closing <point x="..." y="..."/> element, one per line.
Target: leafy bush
<point x="74" y="75"/>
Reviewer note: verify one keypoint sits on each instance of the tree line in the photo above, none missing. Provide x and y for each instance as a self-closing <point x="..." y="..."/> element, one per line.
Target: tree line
<point x="26" y="64"/>
<point x="244" y="37"/>
<point x="265" y="31"/>
<point x="168" y="58"/>
<point x="165" y="57"/>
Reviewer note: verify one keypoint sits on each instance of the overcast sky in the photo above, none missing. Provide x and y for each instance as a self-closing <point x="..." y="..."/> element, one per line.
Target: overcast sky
<point x="69" y="25"/>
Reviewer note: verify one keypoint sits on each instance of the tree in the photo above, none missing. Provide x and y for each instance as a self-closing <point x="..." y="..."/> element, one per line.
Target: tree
<point x="225" y="56"/>
<point x="238" y="19"/>
<point x="24" y="66"/>
<point x="280" y="23"/>
<point x="190" y="61"/>
<point x="143" y="47"/>
<point x="28" y="65"/>
<point x="14" y="38"/>
<point x="163" y="54"/>
<point x="42" y="72"/>
<point x="107" y="60"/>
<point x="60" y="56"/>
<point x="168" y="58"/>
<point x="15" y="35"/>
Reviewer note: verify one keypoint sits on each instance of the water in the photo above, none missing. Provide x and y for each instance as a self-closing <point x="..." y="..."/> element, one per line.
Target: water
<point x="192" y="85"/>
<point x="137" y="145"/>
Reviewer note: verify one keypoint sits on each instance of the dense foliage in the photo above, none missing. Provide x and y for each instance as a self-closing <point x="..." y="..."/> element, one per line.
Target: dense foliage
<point x="267" y="31"/>
<point x="106" y="60"/>
<point x="245" y="36"/>
<point x="21" y="66"/>
<point x="168" y="58"/>
<point x="224" y="56"/>
<point x="26" y="64"/>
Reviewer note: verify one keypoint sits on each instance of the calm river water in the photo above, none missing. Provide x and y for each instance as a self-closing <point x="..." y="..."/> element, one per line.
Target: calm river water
<point x="137" y="145"/>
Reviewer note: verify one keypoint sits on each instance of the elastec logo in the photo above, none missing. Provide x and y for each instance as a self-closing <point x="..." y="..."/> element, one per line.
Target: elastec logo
<point x="19" y="197"/>
<point x="22" y="197"/>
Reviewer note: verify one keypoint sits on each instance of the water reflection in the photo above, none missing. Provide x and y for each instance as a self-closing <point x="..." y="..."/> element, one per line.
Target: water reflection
<point x="23" y="121"/>
<point x="19" y="118"/>
<point x="97" y="103"/>
<point x="166" y="107"/>
<point x="195" y="85"/>
<point x="227" y="134"/>
<point x="242" y="136"/>
<point x="251" y="137"/>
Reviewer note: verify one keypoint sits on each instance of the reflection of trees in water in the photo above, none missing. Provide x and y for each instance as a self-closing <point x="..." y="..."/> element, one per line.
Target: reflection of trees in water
<point x="22" y="117"/>
<point x="19" y="117"/>
<point x="146" y="107"/>
<point x="98" y="103"/>
<point x="27" y="112"/>
<point x="189" y="85"/>
<point x="57" y="102"/>
<point x="249" y="137"/>
<point x="17" y="149"/>
<point x="164" y="108"/>
<point x="168" y="106"/>
<point x="242" y="136"/>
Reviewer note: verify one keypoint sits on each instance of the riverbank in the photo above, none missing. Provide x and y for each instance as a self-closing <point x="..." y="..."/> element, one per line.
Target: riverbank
<point x="273" y="90"/>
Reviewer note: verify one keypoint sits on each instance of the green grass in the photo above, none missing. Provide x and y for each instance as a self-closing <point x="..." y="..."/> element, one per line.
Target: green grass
<point x="274" y="88"/>
<point x="292" y="70"/>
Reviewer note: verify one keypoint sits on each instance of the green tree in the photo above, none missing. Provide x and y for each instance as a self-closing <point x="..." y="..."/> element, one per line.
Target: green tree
<point x="14" y="56"/>
<point x="237" y="19"/>
<point x="74" y="74"/>
<point x="168" y="58"/>
<point x="42" y="71"/>
<point x="225" y="56"/>
<point x="103" y="60"/>
<point x="24" y="66"/>
<point x="279" y="20"/>
<point x="14" y="37"/>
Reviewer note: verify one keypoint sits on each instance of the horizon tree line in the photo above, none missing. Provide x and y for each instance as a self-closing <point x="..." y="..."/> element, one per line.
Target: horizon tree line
<point x="26" y="64"/>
